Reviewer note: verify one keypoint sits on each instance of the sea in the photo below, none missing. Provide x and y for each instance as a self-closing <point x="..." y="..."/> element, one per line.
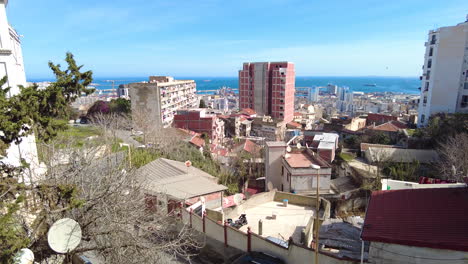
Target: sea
<point x="399" y="85"/>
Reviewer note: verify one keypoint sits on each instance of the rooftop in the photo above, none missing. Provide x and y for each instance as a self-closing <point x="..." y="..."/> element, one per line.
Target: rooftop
<point x="288" y="223"/>
<point x="303" y="159"/>
<point x="433" y="218"/>
<point x="177" y="180"/>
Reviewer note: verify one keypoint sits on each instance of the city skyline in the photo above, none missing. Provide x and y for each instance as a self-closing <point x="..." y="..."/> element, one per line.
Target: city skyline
<point x="115" y="39"/>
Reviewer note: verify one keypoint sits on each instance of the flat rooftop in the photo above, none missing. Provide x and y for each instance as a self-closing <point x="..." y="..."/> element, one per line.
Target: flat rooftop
<point x="289" y="220"/>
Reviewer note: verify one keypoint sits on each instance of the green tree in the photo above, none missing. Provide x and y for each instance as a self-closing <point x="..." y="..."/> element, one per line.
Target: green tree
<point x="42" y="111"/>
<point x="120" y="105"/>
<point x="380" y="138"/>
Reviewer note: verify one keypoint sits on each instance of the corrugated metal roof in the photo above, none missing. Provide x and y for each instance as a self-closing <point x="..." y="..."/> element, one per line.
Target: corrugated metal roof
<point x="177" y="180"/>
<point x="433" y="218"/>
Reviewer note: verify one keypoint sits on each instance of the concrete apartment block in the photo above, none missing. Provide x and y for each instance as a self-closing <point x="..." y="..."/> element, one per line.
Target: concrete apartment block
<point x="444" y="84"/>
<point x="268" y="88"/>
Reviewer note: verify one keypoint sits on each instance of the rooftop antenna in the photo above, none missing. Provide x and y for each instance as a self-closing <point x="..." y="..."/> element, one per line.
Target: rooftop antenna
<point x="64" y="235"/>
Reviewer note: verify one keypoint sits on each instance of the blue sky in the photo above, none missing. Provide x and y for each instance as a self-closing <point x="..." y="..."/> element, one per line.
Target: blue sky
<point x="116" y="38"/>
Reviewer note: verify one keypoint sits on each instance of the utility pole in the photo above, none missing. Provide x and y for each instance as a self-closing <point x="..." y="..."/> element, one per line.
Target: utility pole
<point x="317" y="219"/>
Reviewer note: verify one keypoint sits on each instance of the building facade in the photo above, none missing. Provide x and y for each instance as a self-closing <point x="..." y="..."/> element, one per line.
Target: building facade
<point x="444" y="83"/>
<point x="161" y="97"/>
<point x="268" y="88"/>
<point x="200" y="121"/>
<point x="12" y="66"/>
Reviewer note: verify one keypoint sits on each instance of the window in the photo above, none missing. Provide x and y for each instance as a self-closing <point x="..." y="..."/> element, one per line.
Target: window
<point x="433" y="40"/>
<point x="425" y="100"/>
<point x="429" y="64"/>
<point x="422" y="118"/>
<point x="431" y="51"/>
<point x="281" y="101"/>
<point x="427" y="87"/>
<point x="466" y="86"/>
<point x="281" y="114"/>
<point x="281" y="108"/>
<point x="282" y="170"/>
<point x="428" y="75"/>
<point x="464" y="102"/>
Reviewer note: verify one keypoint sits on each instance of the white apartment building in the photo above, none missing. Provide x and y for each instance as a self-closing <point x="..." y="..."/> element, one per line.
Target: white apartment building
<point x="344" y="101"/>
<point x="11" y="65"/>
<point x="161" y="97"/>
<point x="444" y="84"/>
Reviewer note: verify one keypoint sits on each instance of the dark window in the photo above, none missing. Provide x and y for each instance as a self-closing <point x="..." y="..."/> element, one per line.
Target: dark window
<point x="429" y="64"/>
<point x="428" y="75"/>
<point x="466" y="86"/>
<point x="281" y="108"/>
<point x="289" y="176"/>
<point x="282" y="170"/>
<point x="433" y="40"/>
<point x="431" y="50"/>
<point x="464" y="102"/>
<point x="427" y="87"/>
<point x="425" y="100"/>
<point x="422" y="118"/>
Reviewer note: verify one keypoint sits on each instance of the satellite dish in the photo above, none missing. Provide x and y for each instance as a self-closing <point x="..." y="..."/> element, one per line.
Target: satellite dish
<point x="24" y="256"/>
<point x="64" y="235"/>
<point x="287" y="156"/>
<point x="270" y="185"/>
<point x="314" y="166"/>
<point x="288" y="149"/>
<point x="237" y="198"/>
<point x="299" y="145"/>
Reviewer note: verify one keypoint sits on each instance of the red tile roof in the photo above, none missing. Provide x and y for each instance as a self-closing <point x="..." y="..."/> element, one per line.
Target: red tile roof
<point x="433" y="218"/>
<point x="294" y="124"/>
<point x="399" y="124"/>
<point x="251" y="147"/>
<point x="379" y="118"/>
<point x="197" y="141"/>
<point x="387" y="127"/>
<point x="248" y="111"/>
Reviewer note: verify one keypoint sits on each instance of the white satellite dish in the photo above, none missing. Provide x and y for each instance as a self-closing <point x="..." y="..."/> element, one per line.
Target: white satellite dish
<point x="288" y="149"/>
<point x="287" y="156"/>
<point x="24" y="256"/>
<point x="237" y="198"/>
<point x="299" y="145"/>
<point x="314" y="166"/>
<point x="64" y="235"/>
<point x="270" y="185"/>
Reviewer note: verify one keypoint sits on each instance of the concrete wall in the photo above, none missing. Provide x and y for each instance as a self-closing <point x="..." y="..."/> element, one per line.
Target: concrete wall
<point x="388" y="184"/>
<point x="239" y="240"/>
<point x="146" y="99"/>
<point x="383" y="253"/>
<point x="273" y="156"/>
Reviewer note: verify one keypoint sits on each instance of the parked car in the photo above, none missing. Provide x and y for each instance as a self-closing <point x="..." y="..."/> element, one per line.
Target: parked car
<point x="258" y="257"/>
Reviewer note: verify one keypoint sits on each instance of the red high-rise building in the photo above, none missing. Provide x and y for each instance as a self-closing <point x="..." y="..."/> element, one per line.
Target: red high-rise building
<point x="268" y="88"/>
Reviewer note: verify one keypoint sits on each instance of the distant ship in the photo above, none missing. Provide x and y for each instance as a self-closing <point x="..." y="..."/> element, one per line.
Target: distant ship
<point x="207" y="80"/>
<point x="370" y="84"/>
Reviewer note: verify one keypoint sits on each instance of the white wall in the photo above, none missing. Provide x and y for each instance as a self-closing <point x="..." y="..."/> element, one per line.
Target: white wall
<point x="445" y="85"/>
<point x="388" y="184"/>
<point x="11" y="64"/>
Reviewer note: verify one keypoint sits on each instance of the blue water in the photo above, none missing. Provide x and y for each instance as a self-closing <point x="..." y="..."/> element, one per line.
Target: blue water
<point x="407" y="85"/>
